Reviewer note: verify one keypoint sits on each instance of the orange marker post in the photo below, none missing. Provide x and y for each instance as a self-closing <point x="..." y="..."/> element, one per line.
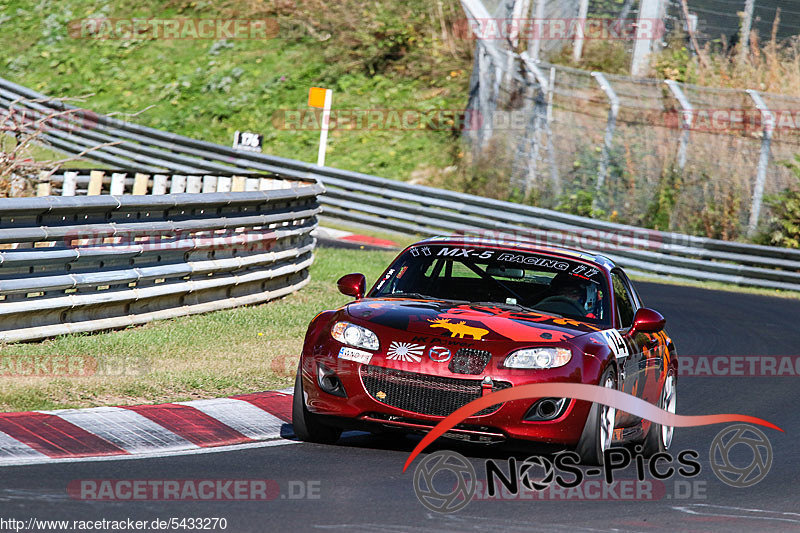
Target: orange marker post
<point x="321" y="98"/>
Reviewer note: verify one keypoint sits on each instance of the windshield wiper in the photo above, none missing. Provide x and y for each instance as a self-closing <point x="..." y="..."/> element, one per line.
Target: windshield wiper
<point x="506" y="305"/>
<point x="517" y="307"/>
<point x="420" y="296"/>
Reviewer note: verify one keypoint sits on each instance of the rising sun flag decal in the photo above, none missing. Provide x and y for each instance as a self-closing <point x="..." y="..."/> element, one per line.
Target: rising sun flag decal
<point x="405" y="351"/>
<point x="579" y="391"/>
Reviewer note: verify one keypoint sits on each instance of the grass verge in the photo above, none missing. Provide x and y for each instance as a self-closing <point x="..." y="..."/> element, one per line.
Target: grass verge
<point x="218" y="354"/>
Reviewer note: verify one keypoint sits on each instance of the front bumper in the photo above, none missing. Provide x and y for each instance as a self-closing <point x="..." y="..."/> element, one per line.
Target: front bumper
<point x="504" y="422"/>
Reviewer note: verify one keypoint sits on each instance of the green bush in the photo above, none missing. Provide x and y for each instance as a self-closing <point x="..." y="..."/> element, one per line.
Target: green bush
<point x="784" y="224"/>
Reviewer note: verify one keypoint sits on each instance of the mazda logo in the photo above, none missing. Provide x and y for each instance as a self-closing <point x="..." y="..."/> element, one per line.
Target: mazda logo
<point x="439" y="354"/>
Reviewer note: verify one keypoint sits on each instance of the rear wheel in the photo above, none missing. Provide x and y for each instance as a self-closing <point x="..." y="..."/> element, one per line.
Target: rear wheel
<point x="659" y="438"/>
<point x="598" y="432"/>
<point x="307" y="425"/>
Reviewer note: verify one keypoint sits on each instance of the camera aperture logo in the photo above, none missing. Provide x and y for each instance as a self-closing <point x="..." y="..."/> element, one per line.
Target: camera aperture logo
<point x="724" y="465"/>
<point x="448" y="465"/>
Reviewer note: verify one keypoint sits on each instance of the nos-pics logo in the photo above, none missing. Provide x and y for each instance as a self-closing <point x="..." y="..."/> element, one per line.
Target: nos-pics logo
<point x="445" y="481"/>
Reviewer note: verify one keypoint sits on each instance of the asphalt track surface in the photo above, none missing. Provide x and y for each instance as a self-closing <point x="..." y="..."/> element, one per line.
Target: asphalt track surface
<point x="362" y="486"/>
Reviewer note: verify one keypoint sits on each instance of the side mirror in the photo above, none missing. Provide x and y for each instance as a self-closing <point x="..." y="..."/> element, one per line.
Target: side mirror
<point x="354" y="285"/>
<point x="648" y="321"/>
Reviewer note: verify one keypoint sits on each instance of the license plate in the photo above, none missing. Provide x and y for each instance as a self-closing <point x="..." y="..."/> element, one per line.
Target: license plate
<point x="359" y="356"/>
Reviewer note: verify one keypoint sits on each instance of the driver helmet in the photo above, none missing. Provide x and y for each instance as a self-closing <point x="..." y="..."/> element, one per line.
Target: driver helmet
<point x="583" y="292"/>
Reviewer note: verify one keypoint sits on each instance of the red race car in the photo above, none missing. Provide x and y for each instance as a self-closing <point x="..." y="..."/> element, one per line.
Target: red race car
<point x="455" y="318"/>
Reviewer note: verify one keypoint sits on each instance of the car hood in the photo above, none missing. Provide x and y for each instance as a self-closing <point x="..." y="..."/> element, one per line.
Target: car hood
<point x="439" y="318"/>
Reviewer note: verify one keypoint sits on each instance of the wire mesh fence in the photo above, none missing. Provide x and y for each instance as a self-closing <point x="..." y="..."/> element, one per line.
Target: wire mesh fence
<point x="671" y="156"/>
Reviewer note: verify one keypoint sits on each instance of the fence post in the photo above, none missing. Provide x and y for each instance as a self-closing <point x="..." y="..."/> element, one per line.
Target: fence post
<point x="484" y="103"/>
<point x="551" y="151"/>
<point x="744" y="31"/>
<point x="768" y="121"/>
<point x="687" y="117"/>
<point x="613" y="112"/>
<point x="535" y="41"/>
<point x="649" y="12"/>
<point x="580" y="33"/>
<point x="539" y="116"/>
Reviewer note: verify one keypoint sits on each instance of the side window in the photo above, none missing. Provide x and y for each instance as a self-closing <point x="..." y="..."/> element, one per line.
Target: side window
<point x="624" y="301"/>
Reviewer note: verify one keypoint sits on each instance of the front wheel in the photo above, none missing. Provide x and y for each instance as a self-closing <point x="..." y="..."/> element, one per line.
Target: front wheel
<point x="599" y="429"/>
<point x="307" y="426"/>
<point x="659" y="438"/>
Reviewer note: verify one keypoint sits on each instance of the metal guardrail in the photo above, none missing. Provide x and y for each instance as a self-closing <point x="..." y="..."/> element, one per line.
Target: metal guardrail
<point x="399" y="206"/>
<point x="85" y="263"/>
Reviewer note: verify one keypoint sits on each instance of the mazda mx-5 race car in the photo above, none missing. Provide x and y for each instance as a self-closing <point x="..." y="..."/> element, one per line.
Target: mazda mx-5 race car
<point x="453" y="319"/>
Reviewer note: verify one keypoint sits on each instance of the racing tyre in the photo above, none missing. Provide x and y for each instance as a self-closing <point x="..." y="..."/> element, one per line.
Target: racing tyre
<point x="599" y="429"/>
<point x="307" y="426"/>
<point x="659" y="438"/>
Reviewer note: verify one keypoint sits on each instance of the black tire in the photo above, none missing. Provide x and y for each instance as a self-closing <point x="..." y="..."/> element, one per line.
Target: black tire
<point x="656" y="440"/>
<point x="591" y="444"/>
<point x="307" y="426"/>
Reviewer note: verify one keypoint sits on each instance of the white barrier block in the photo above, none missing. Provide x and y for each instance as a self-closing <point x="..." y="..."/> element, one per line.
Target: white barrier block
<point x="238" y="183"/>
<point x="70" y="184"/>
<point x="159" y="184"/>
<point x="95" y="183"/>
<point x="194" y="184"/>
<point x="140" y="183"/>
<point x="178" y="184"/>
<point x="117" y="184"/>
<point x="224" y="184"/>
<point x="209" y="184"/>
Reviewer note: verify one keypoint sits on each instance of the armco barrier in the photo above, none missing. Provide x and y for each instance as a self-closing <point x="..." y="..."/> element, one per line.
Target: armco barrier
<point x="422" y="210"/>
<point x="85" y="263"/>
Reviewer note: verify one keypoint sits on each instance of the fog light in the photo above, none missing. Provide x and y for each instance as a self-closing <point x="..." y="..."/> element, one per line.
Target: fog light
<point x="329" y="381"/>
<point x="546" y="409"/>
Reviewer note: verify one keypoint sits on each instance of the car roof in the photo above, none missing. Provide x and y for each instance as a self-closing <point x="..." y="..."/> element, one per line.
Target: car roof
<point x="520" y="245"/>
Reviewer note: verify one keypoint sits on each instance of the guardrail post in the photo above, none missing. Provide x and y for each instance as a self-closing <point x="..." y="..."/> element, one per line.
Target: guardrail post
<point x="768" y="121"/>
<point x="687" y="118"/>
<point x="608" y="140"/>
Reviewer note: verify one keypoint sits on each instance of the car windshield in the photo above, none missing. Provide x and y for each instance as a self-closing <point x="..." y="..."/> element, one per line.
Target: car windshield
<point x="521" y="281"/>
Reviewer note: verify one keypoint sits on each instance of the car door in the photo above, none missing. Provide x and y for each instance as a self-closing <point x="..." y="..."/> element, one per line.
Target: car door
<point x="629" y="358"/>
<point x="654" y="352"/>
<point x="643" y="367"/>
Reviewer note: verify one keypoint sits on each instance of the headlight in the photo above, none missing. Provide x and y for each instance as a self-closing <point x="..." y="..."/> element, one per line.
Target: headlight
<point x="353" y="335"/>
<point x="538" y="358"/>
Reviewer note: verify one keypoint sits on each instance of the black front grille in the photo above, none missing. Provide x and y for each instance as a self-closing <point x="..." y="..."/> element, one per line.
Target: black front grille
<point x="422" y="393"/>
<point x="469" y="361"/>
